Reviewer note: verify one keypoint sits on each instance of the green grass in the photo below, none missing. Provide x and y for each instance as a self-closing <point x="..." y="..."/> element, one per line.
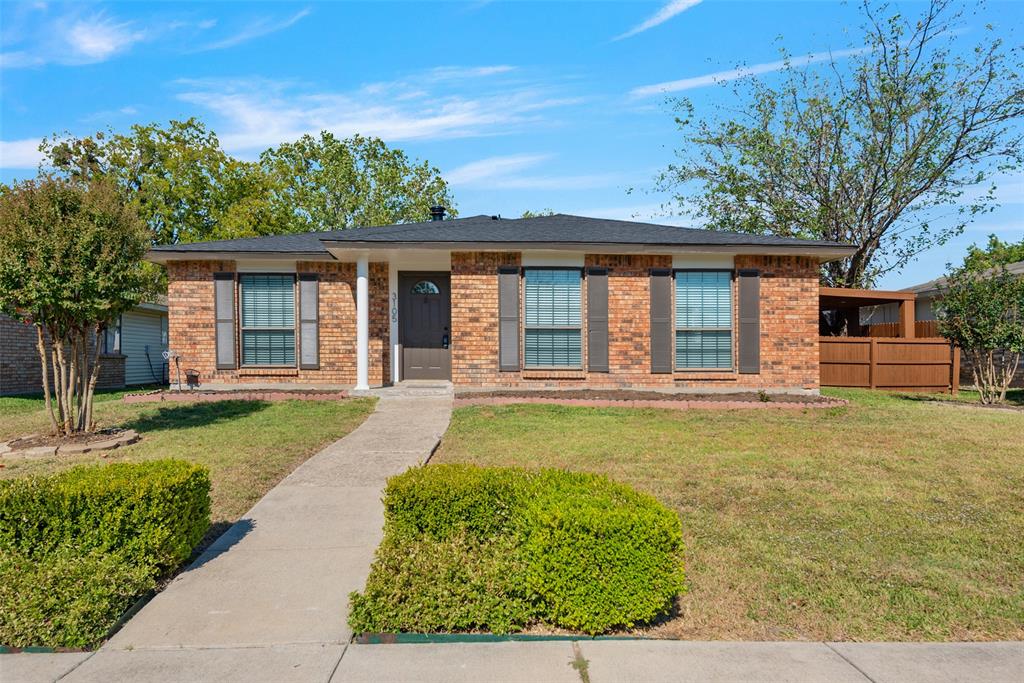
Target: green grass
<point x="891" y="519"/>
<point x="249" y="446"/>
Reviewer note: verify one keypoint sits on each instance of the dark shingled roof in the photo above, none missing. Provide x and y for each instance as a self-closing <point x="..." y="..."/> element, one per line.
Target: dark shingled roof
<point x="557" y="229"/>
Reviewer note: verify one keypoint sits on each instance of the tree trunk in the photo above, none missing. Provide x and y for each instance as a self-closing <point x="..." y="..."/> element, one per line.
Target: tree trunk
<point x="94" y="377"/>
<point x="45" y="367"/>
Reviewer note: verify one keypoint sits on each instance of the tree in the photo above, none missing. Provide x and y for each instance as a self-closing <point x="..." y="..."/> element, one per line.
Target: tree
<point x="537" y="214"/>
<point x="981" y="310"/>
<point x="997" y="252"/>
<point x="184" y="186"/>
<point x="327" y="183"/>
<point x="871" y="153"/>
<point x="70" y="262"/>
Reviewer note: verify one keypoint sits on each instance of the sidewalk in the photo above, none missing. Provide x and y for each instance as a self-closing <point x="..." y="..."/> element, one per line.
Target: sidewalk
<point x="586" y="661"/>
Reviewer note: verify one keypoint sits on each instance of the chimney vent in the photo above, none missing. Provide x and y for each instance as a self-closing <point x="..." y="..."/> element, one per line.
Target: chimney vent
<point x="437" y="213"/>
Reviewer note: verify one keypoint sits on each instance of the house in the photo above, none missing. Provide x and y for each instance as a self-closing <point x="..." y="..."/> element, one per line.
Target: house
<point x="132" y="352"/>
<point x="541" y="302"/>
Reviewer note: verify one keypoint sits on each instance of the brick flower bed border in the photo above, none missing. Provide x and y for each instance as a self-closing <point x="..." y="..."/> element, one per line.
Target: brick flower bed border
<point x="210" y="396"/>
<point x="670" y="404"/>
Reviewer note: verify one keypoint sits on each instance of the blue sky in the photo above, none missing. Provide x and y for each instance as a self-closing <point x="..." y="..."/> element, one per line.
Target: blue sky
<point x="523" y="105"/>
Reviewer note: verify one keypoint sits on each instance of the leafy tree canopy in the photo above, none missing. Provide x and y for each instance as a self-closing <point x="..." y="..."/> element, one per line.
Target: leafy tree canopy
<point x="327" y="183"/>
<point x="996" y="253"/>
<point x="871" y="150"/>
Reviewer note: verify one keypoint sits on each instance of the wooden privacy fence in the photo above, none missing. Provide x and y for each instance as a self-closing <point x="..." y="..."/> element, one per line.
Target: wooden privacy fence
<point x="890" y="363"/>
<point x="922" y="328"/>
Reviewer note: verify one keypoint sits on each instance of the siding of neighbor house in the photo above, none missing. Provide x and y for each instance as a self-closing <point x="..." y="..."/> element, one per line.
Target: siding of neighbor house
<point x="788" y="325"/>
<point x="142" y="332"/>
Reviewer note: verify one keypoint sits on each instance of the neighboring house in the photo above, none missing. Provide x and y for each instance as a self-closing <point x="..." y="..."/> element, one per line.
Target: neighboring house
<point x="132" y="352"/>
<point x="549" y="301"/>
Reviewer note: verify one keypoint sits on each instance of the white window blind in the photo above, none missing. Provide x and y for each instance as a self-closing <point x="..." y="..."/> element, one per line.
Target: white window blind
<point x="704" y="319"/>
<point x="268" y="319"/>
<point x="552" y="327"/>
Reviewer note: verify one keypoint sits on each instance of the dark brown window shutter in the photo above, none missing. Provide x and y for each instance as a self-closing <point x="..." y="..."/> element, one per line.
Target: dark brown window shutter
<point x="309" y="321"/>
<point x="224" y="315"/>
<point x="661" y="320"/>
<point x="597" y="319"/>
<point x="508" y="318"/>
<point x="749" y="295"/>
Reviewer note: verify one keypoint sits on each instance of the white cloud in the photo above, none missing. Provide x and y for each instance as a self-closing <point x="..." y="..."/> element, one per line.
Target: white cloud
<point x="487" y="169"/>
<point x="251" y="115"/>
<point x="97" y="38"/>
<point x="505" y="173"/>
<point x="660" y="17"/>
<point x="650" y="213"/>
<point x="741" y="72"/>
<point x="441" y="73"/>
<point x="256" y="29"/>
<point x="20" y="153"/>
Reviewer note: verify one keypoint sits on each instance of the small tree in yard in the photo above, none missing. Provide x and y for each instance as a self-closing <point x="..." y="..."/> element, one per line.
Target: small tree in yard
<point x="70" y="262"/>
<point x="982" y="312"/>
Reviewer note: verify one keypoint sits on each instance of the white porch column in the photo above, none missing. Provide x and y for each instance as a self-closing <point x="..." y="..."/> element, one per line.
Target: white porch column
<point x="393" y="322"/>
<point x="363" y="322"/>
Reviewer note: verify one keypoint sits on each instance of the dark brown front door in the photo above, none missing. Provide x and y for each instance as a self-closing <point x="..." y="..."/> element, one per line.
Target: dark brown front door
<point x="425" y="309"/>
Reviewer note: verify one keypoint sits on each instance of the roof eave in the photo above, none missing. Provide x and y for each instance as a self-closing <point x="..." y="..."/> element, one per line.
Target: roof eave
<point x="822" y="252"/>
<point x="165" y="255"/>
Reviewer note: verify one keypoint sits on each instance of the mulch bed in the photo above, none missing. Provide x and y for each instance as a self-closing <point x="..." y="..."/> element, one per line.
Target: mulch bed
<point x="37" y="445"/>
<point x="235" y="395"/>
<point x="622" y="398"/>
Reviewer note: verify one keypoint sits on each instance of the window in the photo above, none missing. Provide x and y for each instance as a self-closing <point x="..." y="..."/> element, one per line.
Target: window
<point x="704" y="320"/>
<point x="268" y="319"/>
<point x="552" y="329"/>
<point x="112" y="337"/>
<point x="425" y="287"/>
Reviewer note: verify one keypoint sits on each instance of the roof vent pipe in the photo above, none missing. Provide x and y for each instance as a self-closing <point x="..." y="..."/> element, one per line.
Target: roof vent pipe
<point x="437" y="213"/>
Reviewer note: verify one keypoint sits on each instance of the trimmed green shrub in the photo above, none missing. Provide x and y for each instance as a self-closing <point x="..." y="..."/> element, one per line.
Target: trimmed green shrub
<point x="78" y="547"/>
<point x="470" y="548"/>
<point x="67" y="598"/>
<point x="153" y="512"/>
<point x="441" y="501"/>
<point x="599" y="555"/>
<point x="455" y="584"/>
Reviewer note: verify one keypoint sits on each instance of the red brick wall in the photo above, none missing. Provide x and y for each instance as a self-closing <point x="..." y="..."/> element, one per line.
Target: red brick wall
<point x="789" y="332"/>
<point x="20" y="372"/>
<point x="191" y="324"/>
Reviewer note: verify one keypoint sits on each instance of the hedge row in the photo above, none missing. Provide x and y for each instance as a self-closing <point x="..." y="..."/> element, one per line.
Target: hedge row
<point x="469" y="548"/>
<point x="78" y="547"/>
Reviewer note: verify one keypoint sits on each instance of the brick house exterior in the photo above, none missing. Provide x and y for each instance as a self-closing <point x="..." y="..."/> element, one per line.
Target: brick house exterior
<point x="326" y="272"/>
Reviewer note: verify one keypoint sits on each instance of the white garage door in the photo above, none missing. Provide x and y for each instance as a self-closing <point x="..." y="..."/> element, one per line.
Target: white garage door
<point x="143" y="341"/>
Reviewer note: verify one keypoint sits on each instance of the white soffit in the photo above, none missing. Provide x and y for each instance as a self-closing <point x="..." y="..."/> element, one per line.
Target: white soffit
<point x="265" y="266"/>
<point x="698" y="261"/>
<point x="552" y="259"/>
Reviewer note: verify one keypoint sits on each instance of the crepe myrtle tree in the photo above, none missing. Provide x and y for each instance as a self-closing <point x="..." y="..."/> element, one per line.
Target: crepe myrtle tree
<point x="981" y="310"/>
<point x="70" y="263"/>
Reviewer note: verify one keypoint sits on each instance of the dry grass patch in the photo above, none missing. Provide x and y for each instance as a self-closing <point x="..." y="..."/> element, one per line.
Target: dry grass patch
<point x="892" y="519"/>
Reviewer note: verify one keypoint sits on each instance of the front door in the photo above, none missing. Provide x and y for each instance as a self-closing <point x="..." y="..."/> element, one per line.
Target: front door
<point x="425" y="309"/>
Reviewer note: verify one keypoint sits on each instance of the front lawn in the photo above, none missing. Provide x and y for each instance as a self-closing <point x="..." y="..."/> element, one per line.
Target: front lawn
<point x="892" y="519"/>
<point x="248" y="446"/>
